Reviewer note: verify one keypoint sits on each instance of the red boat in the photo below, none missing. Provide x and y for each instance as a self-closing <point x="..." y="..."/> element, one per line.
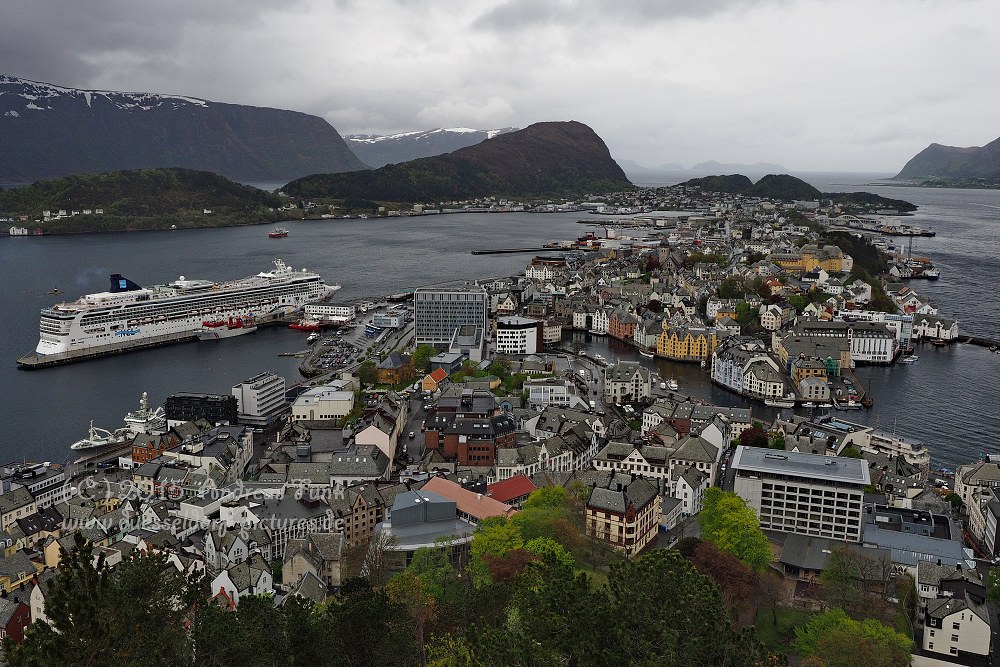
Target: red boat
<point x="306" y="325"/>
<point x="277" y="233"/>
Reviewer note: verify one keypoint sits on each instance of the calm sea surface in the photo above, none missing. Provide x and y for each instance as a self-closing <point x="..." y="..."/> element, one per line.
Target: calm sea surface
<point x="948" y="399"/>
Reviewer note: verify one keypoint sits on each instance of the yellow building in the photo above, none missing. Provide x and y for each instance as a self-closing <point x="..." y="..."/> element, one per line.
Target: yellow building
<point x="830" y="258"/>
<point x="686" y="343"/>
<point x="625" y="513"/>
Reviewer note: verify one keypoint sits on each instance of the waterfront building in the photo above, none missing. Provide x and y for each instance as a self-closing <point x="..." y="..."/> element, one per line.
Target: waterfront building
<point x="188" y="406"/>
<point x="624" y="513"/>
<point x="389" y="320"/>
<point x="518" y="335"/>
<point x="900" y="324"/>
<point x="627" y="381"/>
<point x="932" y="327"/>
<point x="327" y="310"/>
<point x="803" y="493"/>
<point x="870" y="342"/>
<point x="438" y="312"/>
<point x="686" y="343"/>
<point x="260" y="400"/>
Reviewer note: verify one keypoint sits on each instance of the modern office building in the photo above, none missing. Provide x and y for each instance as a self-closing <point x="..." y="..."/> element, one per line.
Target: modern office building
<point x="518" y="335"/>
<point x="261" y="399"/>
<point x="186" y="406"/>
<point x="438" y="312"/>
<point x="810" y="494"/>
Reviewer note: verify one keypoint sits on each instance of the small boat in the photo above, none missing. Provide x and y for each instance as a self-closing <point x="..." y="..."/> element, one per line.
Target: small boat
<point x="779" y="403"/>
<point x="909" y="359"/>
<point x="313" y="337"/>
<point x="937" y="342"/>
<point x="598" y="357"/>
<point x="55" y="290"/>
<point x="644" y="353"/>
<point x="98" y="437"/>
<point x="672" y="384"/>
<point x="808" y="404"/>
<point x="306" y="325"/>
<point x="277" y="233"/>
<point x="235" y="326"/>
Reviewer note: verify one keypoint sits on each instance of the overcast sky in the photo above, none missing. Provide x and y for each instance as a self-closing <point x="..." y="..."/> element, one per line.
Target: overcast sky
<point x="820" y="85"/>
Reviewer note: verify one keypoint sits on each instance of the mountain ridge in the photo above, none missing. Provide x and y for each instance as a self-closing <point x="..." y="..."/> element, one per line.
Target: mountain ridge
<point x="49" y="131"/>
<point x="378" y="150"/>
<point x="542" y="159"/>
<point x="941" y="162"/>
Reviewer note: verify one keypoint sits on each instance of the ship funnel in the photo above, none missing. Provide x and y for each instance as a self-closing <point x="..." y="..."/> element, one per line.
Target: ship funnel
<point x="120" y="283"/>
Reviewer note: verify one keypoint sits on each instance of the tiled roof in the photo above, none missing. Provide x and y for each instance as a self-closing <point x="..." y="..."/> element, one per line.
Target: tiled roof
<point x="467" y="502"/>
<point x="512" y="488"/>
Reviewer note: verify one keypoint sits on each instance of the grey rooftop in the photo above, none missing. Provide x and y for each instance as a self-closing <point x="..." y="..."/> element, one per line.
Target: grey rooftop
<point x="814" y="466"/>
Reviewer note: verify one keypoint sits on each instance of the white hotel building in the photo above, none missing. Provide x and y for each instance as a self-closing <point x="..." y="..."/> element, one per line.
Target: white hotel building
<point x="811" y="494"/>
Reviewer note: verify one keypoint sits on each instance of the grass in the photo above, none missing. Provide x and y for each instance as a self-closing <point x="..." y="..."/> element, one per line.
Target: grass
<point x="780" y="637"/>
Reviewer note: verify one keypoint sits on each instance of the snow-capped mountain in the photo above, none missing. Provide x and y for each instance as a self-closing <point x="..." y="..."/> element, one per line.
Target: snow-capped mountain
<point x="48" y="131"/>
<point x="378" y="150"/>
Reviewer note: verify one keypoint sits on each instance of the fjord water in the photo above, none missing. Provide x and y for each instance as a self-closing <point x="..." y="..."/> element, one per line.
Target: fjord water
<point x="947" y="399"/>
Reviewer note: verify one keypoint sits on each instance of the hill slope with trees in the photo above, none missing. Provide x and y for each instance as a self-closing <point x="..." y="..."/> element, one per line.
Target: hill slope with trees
<point x="542" y="159"/>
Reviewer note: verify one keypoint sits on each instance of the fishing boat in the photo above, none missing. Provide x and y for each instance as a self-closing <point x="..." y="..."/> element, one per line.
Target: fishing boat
<point x="98" y="437"/>
<point x="277" y="233"/>
<point x="306" y="325"/>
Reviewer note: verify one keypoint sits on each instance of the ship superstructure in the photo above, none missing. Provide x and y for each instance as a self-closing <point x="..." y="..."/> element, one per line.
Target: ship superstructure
<point x="129" y="316"/>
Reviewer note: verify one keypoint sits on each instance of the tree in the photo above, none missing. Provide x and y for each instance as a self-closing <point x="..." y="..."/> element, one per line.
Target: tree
<point x="736" y="581"/>
<point x="422" y="356"/>
<point x="840" y="641"/>
<point x="993" y="585"/>
<point x="654" y="306"/>
<point x="407" y="591"/>
<point x="852" y="452"/>
<point x="495" y="537"/>
<point x="955" y="500"/>
<point x="131" y="615"/>
<point x="727" y="520"/>
<point x="368" y="373"/>
<point x="755" y="436"/>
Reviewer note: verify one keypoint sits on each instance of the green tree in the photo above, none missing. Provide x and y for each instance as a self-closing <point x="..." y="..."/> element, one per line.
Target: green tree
<point x="368" y="373"/>
<point x="131" y="615"/>
<point x="495" y="537"/>
<point x="840" y="641"/>
<point x="727" y="521"/>
<point x="955" y="500"/>
<point x="852" y="452"/>
<point x="422" y="356"/>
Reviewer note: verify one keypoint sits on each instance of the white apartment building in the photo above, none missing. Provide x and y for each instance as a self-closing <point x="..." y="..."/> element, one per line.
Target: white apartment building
<point x="518" y="335"/>
<point x="810" y="494"/>
<point x="260" y="399"/>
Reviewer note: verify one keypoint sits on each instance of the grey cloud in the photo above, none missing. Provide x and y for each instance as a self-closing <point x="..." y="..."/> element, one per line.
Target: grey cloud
<point x="514" y="15"/>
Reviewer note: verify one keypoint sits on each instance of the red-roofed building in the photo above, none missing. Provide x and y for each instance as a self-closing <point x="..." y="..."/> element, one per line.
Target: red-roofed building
<point x="431" y="381"/>
<point x="472" y="507"/>
<point x="513" y="491"/>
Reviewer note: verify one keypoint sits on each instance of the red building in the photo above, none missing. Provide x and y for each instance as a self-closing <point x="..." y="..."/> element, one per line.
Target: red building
<point x="14" y="618"/>
<point x="621" y="325"/>
<point x="466" y="426"/>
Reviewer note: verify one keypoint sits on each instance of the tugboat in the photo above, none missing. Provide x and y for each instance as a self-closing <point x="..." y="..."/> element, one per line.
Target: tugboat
<point x="277" y="233"/>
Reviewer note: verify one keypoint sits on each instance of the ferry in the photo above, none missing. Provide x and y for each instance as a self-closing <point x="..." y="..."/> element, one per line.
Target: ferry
<point x="128" y="316"/>
<point x="98" y="437"/>
<point x="277" y="233"/>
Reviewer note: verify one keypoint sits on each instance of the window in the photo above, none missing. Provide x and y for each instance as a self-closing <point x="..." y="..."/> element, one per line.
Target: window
<point x="955" y="626"/>
<point x="954" y="638"/>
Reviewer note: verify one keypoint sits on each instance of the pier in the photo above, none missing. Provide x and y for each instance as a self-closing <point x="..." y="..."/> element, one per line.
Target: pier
<point x="510" y="251"/>
<point x="982" y="341"/>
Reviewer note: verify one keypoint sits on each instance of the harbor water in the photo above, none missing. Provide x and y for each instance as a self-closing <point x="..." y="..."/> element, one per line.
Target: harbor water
<point x="947" y="400"/>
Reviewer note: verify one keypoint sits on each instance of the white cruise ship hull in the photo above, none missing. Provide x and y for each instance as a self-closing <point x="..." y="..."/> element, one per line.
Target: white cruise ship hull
<point x="114" y="322"/>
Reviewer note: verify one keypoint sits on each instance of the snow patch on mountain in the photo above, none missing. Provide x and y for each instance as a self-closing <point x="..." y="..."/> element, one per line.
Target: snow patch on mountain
<point x="47" y="92"/>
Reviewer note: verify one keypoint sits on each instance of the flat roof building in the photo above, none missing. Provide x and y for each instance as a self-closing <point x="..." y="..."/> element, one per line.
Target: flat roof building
<point x="439" y="311"/>
<point x="810" y="494"/>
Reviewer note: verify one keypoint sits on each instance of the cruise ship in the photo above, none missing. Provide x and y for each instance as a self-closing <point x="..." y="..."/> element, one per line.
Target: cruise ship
<point x="128" y="316"/>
